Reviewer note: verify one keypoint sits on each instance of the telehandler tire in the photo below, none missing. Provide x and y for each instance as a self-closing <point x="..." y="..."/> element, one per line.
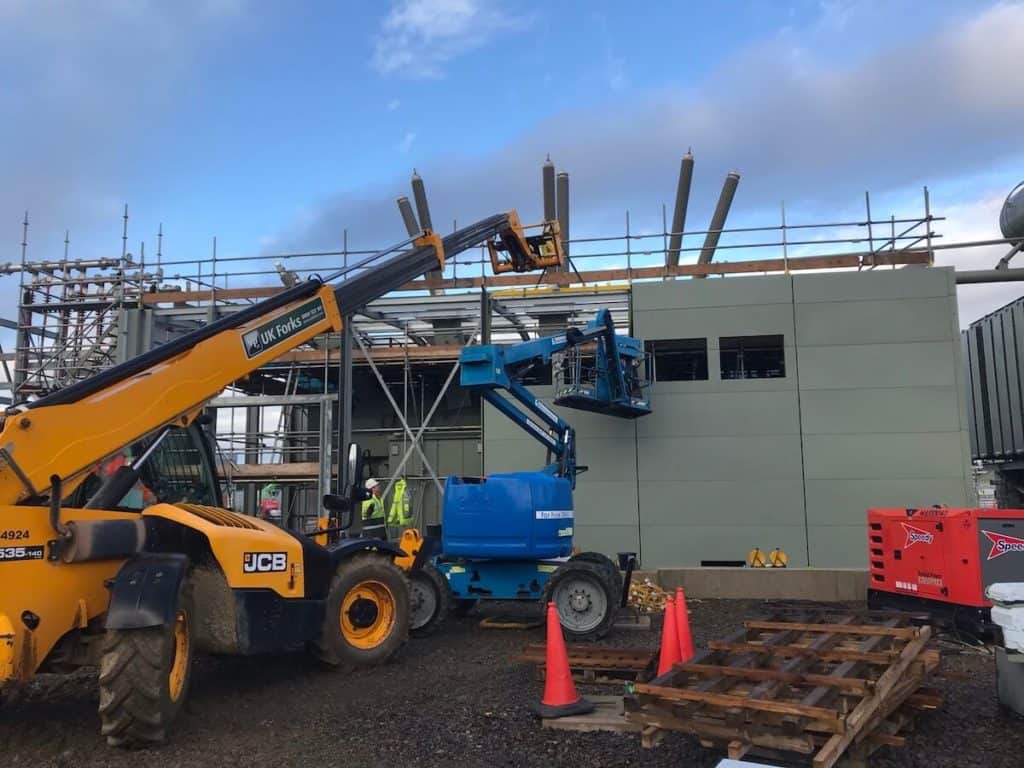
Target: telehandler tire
<point x="144" y="677"/>
<point x="367" y="617"/>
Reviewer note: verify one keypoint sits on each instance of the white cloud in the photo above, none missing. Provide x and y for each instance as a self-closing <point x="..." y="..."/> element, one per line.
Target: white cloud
<point x="836" y="13"/>
<point x="417" y="38"/>
<point x="393" y="105"/>
<point x="973" y="221"/>
<point x="86" y="87"/>
<point x="803" y="129"/>
<point x="406" y="143"/>
<point x="90" y="83"/>
<point x="614" y="65"/>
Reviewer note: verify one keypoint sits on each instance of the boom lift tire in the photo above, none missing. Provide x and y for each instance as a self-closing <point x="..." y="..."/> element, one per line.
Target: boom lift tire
<point x="605" y="562"/>
<point x="367" y="615"/>
<point x="430" y="600"/>
<point x="145" y="676"/>
<point x="585" y="597"/>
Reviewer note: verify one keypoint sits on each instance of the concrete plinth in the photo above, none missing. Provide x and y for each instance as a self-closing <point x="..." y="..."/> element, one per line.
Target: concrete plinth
<point x="822" y="584"/>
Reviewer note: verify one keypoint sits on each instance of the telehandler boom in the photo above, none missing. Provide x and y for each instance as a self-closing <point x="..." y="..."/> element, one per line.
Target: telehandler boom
<point x="138" y="567"/>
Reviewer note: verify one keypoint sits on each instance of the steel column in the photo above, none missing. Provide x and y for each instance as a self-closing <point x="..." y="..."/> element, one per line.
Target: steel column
<point x="326" y="448"/>
<point x="250" y="493"/>
<point x="345" y="406"/>
<point x="396" y="473"/>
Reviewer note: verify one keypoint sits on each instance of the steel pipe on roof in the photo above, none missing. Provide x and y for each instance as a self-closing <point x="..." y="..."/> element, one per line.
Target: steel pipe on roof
<point x="419" y="193"/>
<point x="675" y="243"/>
<point x="979" y="276"/>
<point x="408" y="217"/>
<point x="707" y="253"/>
<point x="548" y="187"/>
<point x="562" y="205"/>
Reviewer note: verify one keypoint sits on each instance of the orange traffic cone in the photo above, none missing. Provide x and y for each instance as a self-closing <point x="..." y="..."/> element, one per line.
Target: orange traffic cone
<point x="669" y="639"/>
<point x="560" y="698"/>
<point x="683" y="626"/>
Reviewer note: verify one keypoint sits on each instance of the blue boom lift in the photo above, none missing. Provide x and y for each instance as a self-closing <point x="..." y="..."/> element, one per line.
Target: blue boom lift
<point x="509" y="536"/>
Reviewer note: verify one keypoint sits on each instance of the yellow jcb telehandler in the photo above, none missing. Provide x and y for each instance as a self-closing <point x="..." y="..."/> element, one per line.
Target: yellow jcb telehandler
<point x="115" y="546"/>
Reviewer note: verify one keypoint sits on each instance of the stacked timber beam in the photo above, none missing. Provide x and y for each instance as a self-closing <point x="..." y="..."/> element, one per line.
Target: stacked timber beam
<point x="865" y="260"/>
<point x="827" y="686"/>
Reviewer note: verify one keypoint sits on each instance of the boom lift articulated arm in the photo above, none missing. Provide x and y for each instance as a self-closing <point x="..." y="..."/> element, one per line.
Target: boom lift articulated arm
<point x="611" y="384"/>
<point x="67" y="433"/>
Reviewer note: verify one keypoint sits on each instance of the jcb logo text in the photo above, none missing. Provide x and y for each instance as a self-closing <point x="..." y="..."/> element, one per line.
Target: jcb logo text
<point x="265" y="562"/>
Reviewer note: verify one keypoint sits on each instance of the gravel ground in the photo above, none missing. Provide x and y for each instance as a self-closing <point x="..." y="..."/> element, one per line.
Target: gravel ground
<point x="454" y="696"/>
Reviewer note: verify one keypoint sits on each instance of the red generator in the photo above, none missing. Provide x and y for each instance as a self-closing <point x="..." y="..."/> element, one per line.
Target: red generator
<point x="941" y="560"/>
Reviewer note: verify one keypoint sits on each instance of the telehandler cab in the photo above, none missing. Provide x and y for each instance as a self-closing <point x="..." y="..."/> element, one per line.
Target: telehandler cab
<point x="135" y="565"/>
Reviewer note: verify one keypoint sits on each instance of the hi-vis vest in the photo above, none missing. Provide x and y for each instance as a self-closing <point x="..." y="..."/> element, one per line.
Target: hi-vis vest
<point x="373" y="509"/>
<point x="401" y="506"/>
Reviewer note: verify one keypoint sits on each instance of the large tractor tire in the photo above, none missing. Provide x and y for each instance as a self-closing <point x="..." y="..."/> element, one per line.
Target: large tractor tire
<point x="367" y="616"/>
<point x="145" y="676"/>
<point x="430" y="600"/>
<point x="586" y="599"/>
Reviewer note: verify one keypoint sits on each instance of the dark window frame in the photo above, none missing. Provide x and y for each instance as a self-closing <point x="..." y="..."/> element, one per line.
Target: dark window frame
<point x="758" y="356"/>
<point x="678" y="359"/>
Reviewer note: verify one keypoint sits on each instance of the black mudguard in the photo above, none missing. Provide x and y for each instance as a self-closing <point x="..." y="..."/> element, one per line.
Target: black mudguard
<point x="431" y="544"/>
<point x="145" y="591"/>
<point x="320" y="563"/>
<point x="345" y="548"/>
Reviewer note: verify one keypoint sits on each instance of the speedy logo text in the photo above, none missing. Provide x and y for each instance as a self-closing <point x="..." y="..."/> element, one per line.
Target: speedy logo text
<point x="916" y="536"/>
<point x="1003" y="544"/>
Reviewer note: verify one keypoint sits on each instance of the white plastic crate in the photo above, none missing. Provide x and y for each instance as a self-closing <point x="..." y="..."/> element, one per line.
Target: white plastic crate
<point x="1008" y="612"/>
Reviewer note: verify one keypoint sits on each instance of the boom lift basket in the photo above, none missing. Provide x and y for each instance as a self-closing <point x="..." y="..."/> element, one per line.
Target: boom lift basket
<point x="583" y="381"/>
<point x="512" y="250"/>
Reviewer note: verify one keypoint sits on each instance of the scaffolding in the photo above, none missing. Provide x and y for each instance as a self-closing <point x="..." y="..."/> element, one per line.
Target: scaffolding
<point x="71" y="320"/>
<point x="387" y="380"/>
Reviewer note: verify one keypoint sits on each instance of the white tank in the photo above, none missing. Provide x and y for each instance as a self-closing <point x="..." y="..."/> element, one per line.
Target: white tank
<point x="1011" y="218"/>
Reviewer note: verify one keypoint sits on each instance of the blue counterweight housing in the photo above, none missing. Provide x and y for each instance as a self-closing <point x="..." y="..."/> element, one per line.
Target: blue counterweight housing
<point x="512" y="516"/>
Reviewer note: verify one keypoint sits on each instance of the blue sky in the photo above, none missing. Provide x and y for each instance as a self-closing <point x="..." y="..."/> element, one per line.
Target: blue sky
<point x="274" y="126"/>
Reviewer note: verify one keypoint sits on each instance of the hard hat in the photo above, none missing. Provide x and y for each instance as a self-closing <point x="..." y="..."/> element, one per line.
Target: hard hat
<point x="371" y="484"/>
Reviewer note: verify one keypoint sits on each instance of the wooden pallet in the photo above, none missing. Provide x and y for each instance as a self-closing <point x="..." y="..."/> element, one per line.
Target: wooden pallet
<point x="608" y="715"/>
<point x="821" y="684"/>
<point x="597" y="664"/>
